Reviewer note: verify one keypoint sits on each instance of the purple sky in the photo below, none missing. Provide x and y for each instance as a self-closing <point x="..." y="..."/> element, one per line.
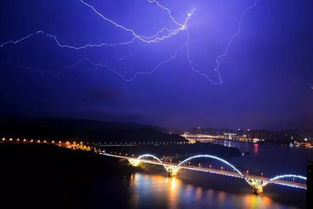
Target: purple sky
<point x="267" y="72"/>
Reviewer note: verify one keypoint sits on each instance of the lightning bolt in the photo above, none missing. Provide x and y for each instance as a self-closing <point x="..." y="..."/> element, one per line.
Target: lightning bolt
<point x="168" y="12"/>
<point x="155" y="38"/>
<point x="225" y="52"/>
<point x="142" y="38"/>
<point x="100" y="65"/>
<point x="40" y="32"/>
<point x="161" y="35"/>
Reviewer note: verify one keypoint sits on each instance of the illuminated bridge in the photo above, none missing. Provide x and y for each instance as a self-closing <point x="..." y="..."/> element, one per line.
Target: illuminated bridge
<point x="256" y="182"/>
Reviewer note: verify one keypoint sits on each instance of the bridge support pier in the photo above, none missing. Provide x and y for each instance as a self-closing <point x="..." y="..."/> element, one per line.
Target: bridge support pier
<point x="134" y="162"/>
<point x="172" y="170"/>
<point x="257" y="185"/>
<point x="258" y="190"/>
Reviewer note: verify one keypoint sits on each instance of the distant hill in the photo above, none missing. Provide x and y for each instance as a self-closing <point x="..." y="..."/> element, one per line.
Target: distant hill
<point x="89" y="130"/>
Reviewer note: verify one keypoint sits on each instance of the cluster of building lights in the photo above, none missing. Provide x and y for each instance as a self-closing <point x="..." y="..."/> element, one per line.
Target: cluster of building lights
<point x="229" y="136"/>
<point x="305" y="144"/>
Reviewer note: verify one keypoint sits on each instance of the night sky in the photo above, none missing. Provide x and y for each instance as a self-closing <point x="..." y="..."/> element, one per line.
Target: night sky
<point x="266" y="76"/>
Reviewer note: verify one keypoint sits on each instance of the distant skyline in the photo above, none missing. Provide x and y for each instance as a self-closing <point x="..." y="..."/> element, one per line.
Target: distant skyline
<point x="218" y="64"/>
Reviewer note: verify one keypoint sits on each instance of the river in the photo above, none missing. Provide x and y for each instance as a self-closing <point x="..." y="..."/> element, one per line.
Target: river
<point x="153" y="189"/>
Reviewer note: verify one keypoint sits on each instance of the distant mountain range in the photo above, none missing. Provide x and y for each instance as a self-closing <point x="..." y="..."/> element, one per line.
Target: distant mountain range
<point x="79" y="129"/>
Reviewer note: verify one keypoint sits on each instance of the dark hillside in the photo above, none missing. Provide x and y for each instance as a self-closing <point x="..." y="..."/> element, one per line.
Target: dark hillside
<point x="44" y="176"/>
<point x="89" y="130"/>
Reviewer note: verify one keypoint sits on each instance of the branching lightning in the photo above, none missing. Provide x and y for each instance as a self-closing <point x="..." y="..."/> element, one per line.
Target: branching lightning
<point x="145" y="39"/>
<point x="40" y="32"/>
<point x="161" y="35"/>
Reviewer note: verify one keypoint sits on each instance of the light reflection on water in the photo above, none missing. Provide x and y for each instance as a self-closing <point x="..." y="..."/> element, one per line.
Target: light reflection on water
<point x="200" y="190"/>
<point x="156" y="191"/>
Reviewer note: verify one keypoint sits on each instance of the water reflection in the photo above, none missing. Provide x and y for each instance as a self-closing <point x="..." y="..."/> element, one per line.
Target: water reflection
<point x="156" y="191"/>
<point x="255" y="149"/>
<point x="257" y="201"/>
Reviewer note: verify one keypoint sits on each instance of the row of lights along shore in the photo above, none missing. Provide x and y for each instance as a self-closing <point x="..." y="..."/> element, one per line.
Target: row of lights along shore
<point x="66" y="144"/>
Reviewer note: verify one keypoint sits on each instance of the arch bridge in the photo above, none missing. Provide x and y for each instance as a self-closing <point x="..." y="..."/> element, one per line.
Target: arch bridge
<point x="256" y="182"/>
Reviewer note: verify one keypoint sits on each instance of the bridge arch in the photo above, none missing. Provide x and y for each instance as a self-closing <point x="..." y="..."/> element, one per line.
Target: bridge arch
<point x="283" y="177"/>
<point x="139" y="158"/>
<point x="288" y="176"/>
<point x="212" y="157"/>
<point x="149" y="156"/>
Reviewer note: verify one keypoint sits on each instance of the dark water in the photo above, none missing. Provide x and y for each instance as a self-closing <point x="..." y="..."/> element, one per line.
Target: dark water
<point x="270" y="159"/>
<point x="153" y="189"/>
